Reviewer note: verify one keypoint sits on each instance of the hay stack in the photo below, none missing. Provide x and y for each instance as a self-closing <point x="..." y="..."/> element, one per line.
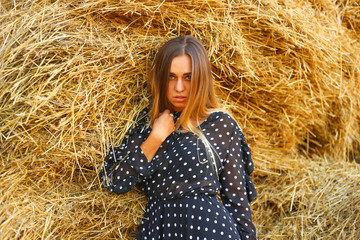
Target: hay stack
<point x="73" y="75"/>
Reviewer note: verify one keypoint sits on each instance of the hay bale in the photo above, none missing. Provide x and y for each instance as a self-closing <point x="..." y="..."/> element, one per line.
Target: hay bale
<point x="73" y="75"/>
<point x="317" y="201"/>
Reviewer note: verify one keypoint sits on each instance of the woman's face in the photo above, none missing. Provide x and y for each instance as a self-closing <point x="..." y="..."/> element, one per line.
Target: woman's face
<point x="179" y="81"/>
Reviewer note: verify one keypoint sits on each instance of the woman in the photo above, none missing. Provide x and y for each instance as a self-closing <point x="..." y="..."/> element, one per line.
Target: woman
<point x="184" y="152"/>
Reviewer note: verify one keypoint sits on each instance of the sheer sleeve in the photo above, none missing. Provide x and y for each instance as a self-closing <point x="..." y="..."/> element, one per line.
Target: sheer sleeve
<point x="237" y="188"/>
<point x="126" y="164"/>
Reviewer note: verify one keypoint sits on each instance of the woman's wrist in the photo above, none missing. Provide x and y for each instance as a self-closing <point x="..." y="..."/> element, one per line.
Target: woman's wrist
<point x="156" y="138"/>
<point x="151" y="145"/>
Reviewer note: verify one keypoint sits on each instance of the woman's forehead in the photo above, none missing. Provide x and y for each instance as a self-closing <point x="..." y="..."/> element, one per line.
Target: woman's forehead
<point x="181" y="63"/>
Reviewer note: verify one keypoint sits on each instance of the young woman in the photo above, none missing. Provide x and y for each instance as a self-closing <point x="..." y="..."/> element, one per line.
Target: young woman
<point x="183" y="153"/>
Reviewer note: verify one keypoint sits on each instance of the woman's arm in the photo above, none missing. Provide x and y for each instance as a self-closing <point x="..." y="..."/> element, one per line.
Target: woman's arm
<point x="124" y="165"/>
<point x="237" y="189"/>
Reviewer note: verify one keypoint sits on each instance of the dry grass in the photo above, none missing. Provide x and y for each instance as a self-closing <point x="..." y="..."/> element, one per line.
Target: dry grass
<point x="73" y="75"/>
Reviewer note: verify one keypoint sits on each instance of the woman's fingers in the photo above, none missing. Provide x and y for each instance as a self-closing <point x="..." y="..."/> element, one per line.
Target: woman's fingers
<point x="166" y="112"/>
<point x="164" y="125"/>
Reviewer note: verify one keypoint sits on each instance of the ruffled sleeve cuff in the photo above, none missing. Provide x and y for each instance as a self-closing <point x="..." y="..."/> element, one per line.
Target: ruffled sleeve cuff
<point x="249" y="168"/>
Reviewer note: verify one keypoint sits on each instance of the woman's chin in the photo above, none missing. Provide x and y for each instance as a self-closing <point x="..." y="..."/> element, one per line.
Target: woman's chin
<point x="178" y="108"/>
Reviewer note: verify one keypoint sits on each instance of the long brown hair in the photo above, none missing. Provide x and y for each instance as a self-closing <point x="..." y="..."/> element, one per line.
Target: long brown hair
<point x="202" y="94"/>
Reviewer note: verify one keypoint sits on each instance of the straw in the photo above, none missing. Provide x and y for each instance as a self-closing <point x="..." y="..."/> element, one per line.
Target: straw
<point x="74" y="74"/>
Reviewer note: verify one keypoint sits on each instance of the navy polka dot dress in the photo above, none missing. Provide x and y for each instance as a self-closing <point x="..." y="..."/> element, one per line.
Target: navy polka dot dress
<point x="182" y="185"/>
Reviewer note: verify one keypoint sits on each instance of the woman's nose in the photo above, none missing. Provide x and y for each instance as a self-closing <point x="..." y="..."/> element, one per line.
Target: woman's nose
<point x="179" y="87"/>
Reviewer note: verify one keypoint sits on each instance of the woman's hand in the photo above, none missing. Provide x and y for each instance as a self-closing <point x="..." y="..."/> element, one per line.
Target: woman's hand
<point x="162" y="127"/>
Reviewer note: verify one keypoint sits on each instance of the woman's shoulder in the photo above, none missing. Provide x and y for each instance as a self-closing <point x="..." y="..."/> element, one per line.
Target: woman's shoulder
<point x="222" y="116"/>
<point x="222" y="120"/>
<point x="143" y="116"/>
<point x="140" y="122"/>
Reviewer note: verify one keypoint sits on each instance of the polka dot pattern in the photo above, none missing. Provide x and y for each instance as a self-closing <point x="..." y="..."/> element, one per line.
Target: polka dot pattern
<point x="182" y="185"/>
<point x="190" y="217"/>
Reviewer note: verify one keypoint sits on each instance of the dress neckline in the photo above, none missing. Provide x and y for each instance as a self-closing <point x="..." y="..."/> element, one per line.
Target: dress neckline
<point x="201" y="125"/>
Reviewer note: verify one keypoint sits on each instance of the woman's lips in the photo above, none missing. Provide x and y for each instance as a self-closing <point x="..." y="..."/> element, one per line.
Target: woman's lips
<point x="180" y="99"/>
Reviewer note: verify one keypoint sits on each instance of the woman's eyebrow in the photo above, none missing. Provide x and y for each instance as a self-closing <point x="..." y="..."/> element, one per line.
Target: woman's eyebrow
<point x="189" y="73"/>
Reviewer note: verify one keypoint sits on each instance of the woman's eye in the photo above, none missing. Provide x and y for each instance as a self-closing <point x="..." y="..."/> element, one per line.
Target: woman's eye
<point x="171" y="77"/>
<point x="188" y="77"/>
